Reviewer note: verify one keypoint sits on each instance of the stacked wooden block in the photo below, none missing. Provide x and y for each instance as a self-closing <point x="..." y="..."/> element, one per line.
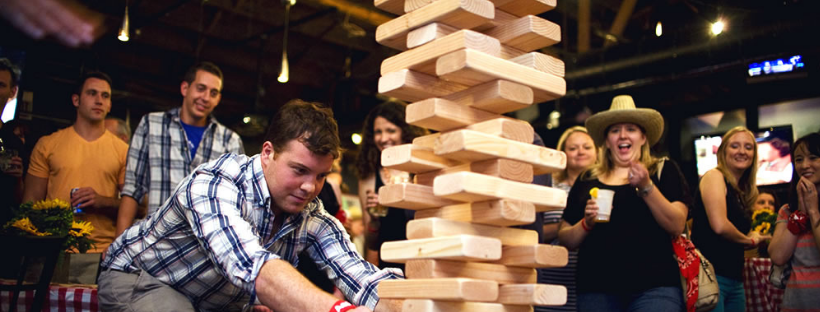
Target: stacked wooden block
<point x="464" y="63"/>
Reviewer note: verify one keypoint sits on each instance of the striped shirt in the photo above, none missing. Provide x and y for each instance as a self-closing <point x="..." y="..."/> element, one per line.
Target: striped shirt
<point x="159" y="156"/>
<point x="211" y="238"/>
<point x="803" y="286"/>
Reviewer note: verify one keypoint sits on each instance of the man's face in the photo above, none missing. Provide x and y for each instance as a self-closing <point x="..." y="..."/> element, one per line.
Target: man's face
<point x="94" y="102"/>
<point x="294" y="176"/>
<point x="6" y="90"/>
<point x="201" y="96"/>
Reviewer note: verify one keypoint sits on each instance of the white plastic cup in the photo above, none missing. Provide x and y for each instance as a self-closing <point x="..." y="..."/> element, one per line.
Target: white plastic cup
<point x="604" y="202"/>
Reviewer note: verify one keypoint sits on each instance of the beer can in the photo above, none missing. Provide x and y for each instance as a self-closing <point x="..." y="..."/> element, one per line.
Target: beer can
<point x="77" y="207"/>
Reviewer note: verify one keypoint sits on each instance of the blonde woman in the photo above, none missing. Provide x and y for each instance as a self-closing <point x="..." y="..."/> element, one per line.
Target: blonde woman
<point x="722" y="225"/>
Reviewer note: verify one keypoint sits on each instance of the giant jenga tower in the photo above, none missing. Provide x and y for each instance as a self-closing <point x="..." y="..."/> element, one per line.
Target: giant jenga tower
<point x="464" y="63"/>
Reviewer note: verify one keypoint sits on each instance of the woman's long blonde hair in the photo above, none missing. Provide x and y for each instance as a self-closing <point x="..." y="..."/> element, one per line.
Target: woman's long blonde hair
<point x="747" y="184"/>
<point x="562" y="175"/>
<point x="605" y="163"/>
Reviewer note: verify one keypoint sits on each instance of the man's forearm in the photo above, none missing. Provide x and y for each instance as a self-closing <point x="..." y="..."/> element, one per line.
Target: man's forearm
<point x="389" y="305"/>
<point x="126" y="213"/>
<point x="281" y="287"/>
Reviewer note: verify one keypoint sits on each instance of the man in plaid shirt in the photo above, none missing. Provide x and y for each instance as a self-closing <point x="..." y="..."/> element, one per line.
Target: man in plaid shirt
<point x="167" y="146"/>
<point x="231" y="233"/>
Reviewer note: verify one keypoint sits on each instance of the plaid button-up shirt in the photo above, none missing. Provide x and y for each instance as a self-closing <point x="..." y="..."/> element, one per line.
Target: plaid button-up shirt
<point x="159" y="156"/>
<point x="211" y="238"/>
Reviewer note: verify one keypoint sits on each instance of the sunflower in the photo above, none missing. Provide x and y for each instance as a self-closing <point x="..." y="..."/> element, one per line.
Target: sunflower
<point x="25" y="224"/>
<point x="51" y="204"/>
<point x="763" y="228"/>
<point x="80" y="229"/>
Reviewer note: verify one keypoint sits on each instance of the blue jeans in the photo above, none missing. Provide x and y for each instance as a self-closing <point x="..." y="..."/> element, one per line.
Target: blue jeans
<point x="666" y="299"/>
<point x="732" y="296"/>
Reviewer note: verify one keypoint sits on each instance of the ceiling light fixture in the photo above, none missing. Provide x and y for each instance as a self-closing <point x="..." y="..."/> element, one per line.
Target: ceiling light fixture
<point x="658" y="29"/>
<point x="717" y="27"/>
<point x="123" y="34"/>
<point x="284" y="71"/>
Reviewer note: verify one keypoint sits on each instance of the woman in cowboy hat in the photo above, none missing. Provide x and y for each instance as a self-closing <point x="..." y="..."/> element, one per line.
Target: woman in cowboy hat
<point x="627" y="263"/>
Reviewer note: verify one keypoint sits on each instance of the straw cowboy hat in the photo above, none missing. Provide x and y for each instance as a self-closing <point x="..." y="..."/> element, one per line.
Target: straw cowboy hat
<point x="623" y="110"/>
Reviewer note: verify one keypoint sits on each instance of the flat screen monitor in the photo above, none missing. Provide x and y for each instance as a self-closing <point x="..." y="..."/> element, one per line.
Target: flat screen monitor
<point x="773" y="146"/>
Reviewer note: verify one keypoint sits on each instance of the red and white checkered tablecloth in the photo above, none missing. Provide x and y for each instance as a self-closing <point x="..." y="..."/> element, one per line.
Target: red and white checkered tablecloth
<point x="61" y="298"/>
<point x="760" y="294"/>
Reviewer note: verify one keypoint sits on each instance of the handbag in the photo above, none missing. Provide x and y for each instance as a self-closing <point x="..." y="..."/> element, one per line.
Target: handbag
<point x="698" y="279"/>
<point x="779" y="274"/>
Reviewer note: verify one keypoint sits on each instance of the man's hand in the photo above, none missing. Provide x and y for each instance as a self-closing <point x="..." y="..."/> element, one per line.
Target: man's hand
<point x="15" y="167"/>
<point x="67" y="21"/>
<point x="86" y="197"/>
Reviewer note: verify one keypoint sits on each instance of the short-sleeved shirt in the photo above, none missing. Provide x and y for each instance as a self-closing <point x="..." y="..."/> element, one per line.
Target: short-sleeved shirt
<point x="68" y="161"/>
<point x="803" y="286"/>
<point x="211" y="238"/>
<point x="632" y="252"/>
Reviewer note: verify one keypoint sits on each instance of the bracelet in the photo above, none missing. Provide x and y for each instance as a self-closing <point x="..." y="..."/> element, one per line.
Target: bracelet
<point x="342" y="306"/>
<point x="645" y="191"/>
<point x="753" y="242"/>
<point x="584" y="225"/>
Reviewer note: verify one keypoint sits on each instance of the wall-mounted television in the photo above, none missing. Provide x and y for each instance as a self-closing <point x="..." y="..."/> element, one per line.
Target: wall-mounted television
<point x="773" y="145"/>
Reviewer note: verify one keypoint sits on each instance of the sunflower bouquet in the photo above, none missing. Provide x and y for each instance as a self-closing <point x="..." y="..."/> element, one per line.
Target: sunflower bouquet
<point x="763" y="221"/>
<point x="53" y="217"/>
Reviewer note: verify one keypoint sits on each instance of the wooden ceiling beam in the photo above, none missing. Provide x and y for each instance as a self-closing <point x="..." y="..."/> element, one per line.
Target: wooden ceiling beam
<point x="619" y="24"/>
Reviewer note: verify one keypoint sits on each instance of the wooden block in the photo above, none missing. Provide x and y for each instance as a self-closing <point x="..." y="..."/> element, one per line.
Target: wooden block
<point x="469" y="187"/>
<point x="416" y="269"/>
<point x="527" y="33"/>
<point x="511" y="129"/>
<point x="428" y="33"/>
<point x="501" y="212"/>
<point x="540" y="62"/>
<point x="472" y="68"/>
<point x="459" y="289"/>
<point x="503" y="168"/>
<point x="469" y="146"/>
<point x="533" y="294"/>
<point x="501" y="18"/>
<point x="524" y="7"/>
<point x="497" y="96"/>
<point x="414" y="159"/>
<point x="412" y="86"/>
<point x="436" y="227"/>
<point x="423" y="59"/>
<point x="392" y="6"/>
<point x="464" y="14"/>
<point x="427" y="305"/>
<point x="459" y="247"/>
<point x="410" y="196"/>
<point x="534" y="256"/>
<point x="426" y="141"/>
<point x="441" y="115"/>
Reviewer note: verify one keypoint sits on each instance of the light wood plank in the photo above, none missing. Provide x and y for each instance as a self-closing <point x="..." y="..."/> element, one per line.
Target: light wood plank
<point x="412" y="86"/>
<point x="419" y="269"/>
<point x="533" y="294"/>
<point x="427" y="305"/>
<point x="410" y="196"/>
<point x="469" y="146"/>
<point x="501" y="212"/>
<point x="527" y="33"/>
<point x="428" y="33"/>
<point x="436" y="227"/>
<point x="503" y="168"/>
<point x="414" y="159"/>
<point x="534" y="256"/>
<point x="525" y="7"/>
<point x="511" y="129"/>
<point x="423" y="58"/>
<point x="426" y="141"/>
<point x="459" y="247"/>
<point x="392" y="6"/>
<point x="497" y="96"/>
<point x="501" y="18"/>
<point x="459" y="289"/>
<point x="469" y="187"/>
<point x="441" y="115"/>
<point x="541" y="62"/>
<point x="471" y="68"/>
<point x="464" y="14"/>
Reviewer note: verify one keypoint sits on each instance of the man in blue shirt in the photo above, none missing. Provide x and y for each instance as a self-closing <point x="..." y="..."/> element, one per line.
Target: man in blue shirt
<point x="233" y="229"/>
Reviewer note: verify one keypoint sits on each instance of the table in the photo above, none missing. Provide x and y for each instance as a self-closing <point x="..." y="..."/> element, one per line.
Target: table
<point x="61" y="298"/>
<point x="760" y="294"/>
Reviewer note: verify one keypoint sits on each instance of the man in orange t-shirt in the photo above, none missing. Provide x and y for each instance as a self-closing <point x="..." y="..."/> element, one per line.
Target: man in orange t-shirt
<point x="88" y="157"/>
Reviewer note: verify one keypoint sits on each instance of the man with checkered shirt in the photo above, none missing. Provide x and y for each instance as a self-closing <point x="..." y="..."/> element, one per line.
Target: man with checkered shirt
<point x="231" y="233"/>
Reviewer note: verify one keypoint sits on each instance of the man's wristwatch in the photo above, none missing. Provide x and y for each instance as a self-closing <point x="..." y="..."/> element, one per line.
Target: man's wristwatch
<point x="643" y="192"/>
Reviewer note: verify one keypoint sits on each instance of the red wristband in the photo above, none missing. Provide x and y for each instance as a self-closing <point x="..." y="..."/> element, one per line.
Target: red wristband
<point x="798" y="223"/>
<point x="584" y="225"/>
<point x="753" y="242"/>
<point x="342" y="306"/>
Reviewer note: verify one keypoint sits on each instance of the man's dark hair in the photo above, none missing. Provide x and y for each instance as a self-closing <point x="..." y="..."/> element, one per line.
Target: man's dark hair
<point x="190" y="75"/>
<point x="7" y="65"/>
<point x="94" y="74"/>
<point x="310" y="123"/>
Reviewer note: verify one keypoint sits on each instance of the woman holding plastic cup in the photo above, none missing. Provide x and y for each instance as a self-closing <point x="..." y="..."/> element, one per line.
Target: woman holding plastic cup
<point x="722" y="225"/>
<point x="626" y="263"/>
